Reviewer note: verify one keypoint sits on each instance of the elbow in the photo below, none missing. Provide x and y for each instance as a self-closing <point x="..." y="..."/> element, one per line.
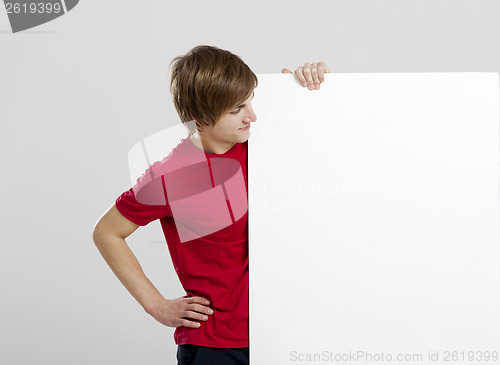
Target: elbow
<point x="97" y="233"/>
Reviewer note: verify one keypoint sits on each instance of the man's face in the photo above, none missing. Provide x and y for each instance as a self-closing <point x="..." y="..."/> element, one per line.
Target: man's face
<point x="234" y="125"/>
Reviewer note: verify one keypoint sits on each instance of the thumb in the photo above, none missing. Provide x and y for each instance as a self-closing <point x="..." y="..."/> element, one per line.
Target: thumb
<point x="286" y="71"/>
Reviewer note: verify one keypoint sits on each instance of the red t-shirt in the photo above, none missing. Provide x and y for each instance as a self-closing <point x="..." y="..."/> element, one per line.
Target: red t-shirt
<point x="201" y="201"/>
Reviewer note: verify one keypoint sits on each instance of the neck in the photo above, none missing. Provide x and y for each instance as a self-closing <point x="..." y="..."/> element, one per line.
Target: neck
<point x="209" y="145"/>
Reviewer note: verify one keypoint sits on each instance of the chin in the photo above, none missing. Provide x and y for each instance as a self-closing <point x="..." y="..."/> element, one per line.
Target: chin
<point x="243" y="138"/>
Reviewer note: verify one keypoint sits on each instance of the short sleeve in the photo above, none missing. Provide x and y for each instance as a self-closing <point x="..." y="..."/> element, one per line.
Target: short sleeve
<point x="182" y="173"/>
<point x="146" y="201"/>
<point x="139" y="213"/>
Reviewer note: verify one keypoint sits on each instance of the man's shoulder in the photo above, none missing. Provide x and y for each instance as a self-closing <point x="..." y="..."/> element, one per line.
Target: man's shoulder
<point x="180" y="157"/>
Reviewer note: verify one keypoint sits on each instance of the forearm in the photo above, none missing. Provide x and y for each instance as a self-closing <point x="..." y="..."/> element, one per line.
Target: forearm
<point x="127" y="269"/>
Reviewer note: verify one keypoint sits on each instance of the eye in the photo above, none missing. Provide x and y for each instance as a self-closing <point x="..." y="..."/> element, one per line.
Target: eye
<point x="236" y="111"/>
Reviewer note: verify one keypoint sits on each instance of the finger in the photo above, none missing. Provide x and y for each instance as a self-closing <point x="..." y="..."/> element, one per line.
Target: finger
<point x="194" y="315"/>
<point x="306" y="70"/>
<point x="300" y="76"/>
<point x="200" y="300"/>
<point x="286" y="71"/>
<point x="321" y="75"/>
<point x="189" y="324"/>
<point x="323" y="66"/>
<point x="199" y="308"/>
<point x="322" y="70"/>
<point x="314" y="75"/>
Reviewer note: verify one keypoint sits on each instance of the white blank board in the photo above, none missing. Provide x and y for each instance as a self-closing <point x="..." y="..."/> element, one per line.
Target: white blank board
<point x="374" y="219"/>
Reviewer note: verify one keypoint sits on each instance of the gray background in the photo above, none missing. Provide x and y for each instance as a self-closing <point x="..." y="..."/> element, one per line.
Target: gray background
<point x="77" y="93"/>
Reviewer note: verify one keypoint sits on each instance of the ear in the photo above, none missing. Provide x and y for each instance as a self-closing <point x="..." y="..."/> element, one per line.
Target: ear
<point x="199" y="127"/>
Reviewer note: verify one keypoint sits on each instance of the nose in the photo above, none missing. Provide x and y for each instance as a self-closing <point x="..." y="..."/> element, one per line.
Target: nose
<point x="251" y="116"/>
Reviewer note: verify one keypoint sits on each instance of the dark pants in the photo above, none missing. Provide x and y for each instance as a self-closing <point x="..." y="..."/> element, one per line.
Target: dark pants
<point x="201" y="355"/>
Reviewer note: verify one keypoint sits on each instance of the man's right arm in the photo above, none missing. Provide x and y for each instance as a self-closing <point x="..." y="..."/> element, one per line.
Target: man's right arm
<point x="109" y="237"/>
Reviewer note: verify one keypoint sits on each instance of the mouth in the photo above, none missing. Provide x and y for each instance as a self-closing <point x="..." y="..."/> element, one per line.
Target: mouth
<point x="245" y="128"/>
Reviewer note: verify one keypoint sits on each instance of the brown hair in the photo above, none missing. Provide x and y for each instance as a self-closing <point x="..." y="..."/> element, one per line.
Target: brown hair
<point x="206" y="82"/>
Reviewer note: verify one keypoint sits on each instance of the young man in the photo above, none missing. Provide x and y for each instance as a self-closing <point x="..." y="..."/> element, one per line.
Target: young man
<point x="199" y="194"/>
